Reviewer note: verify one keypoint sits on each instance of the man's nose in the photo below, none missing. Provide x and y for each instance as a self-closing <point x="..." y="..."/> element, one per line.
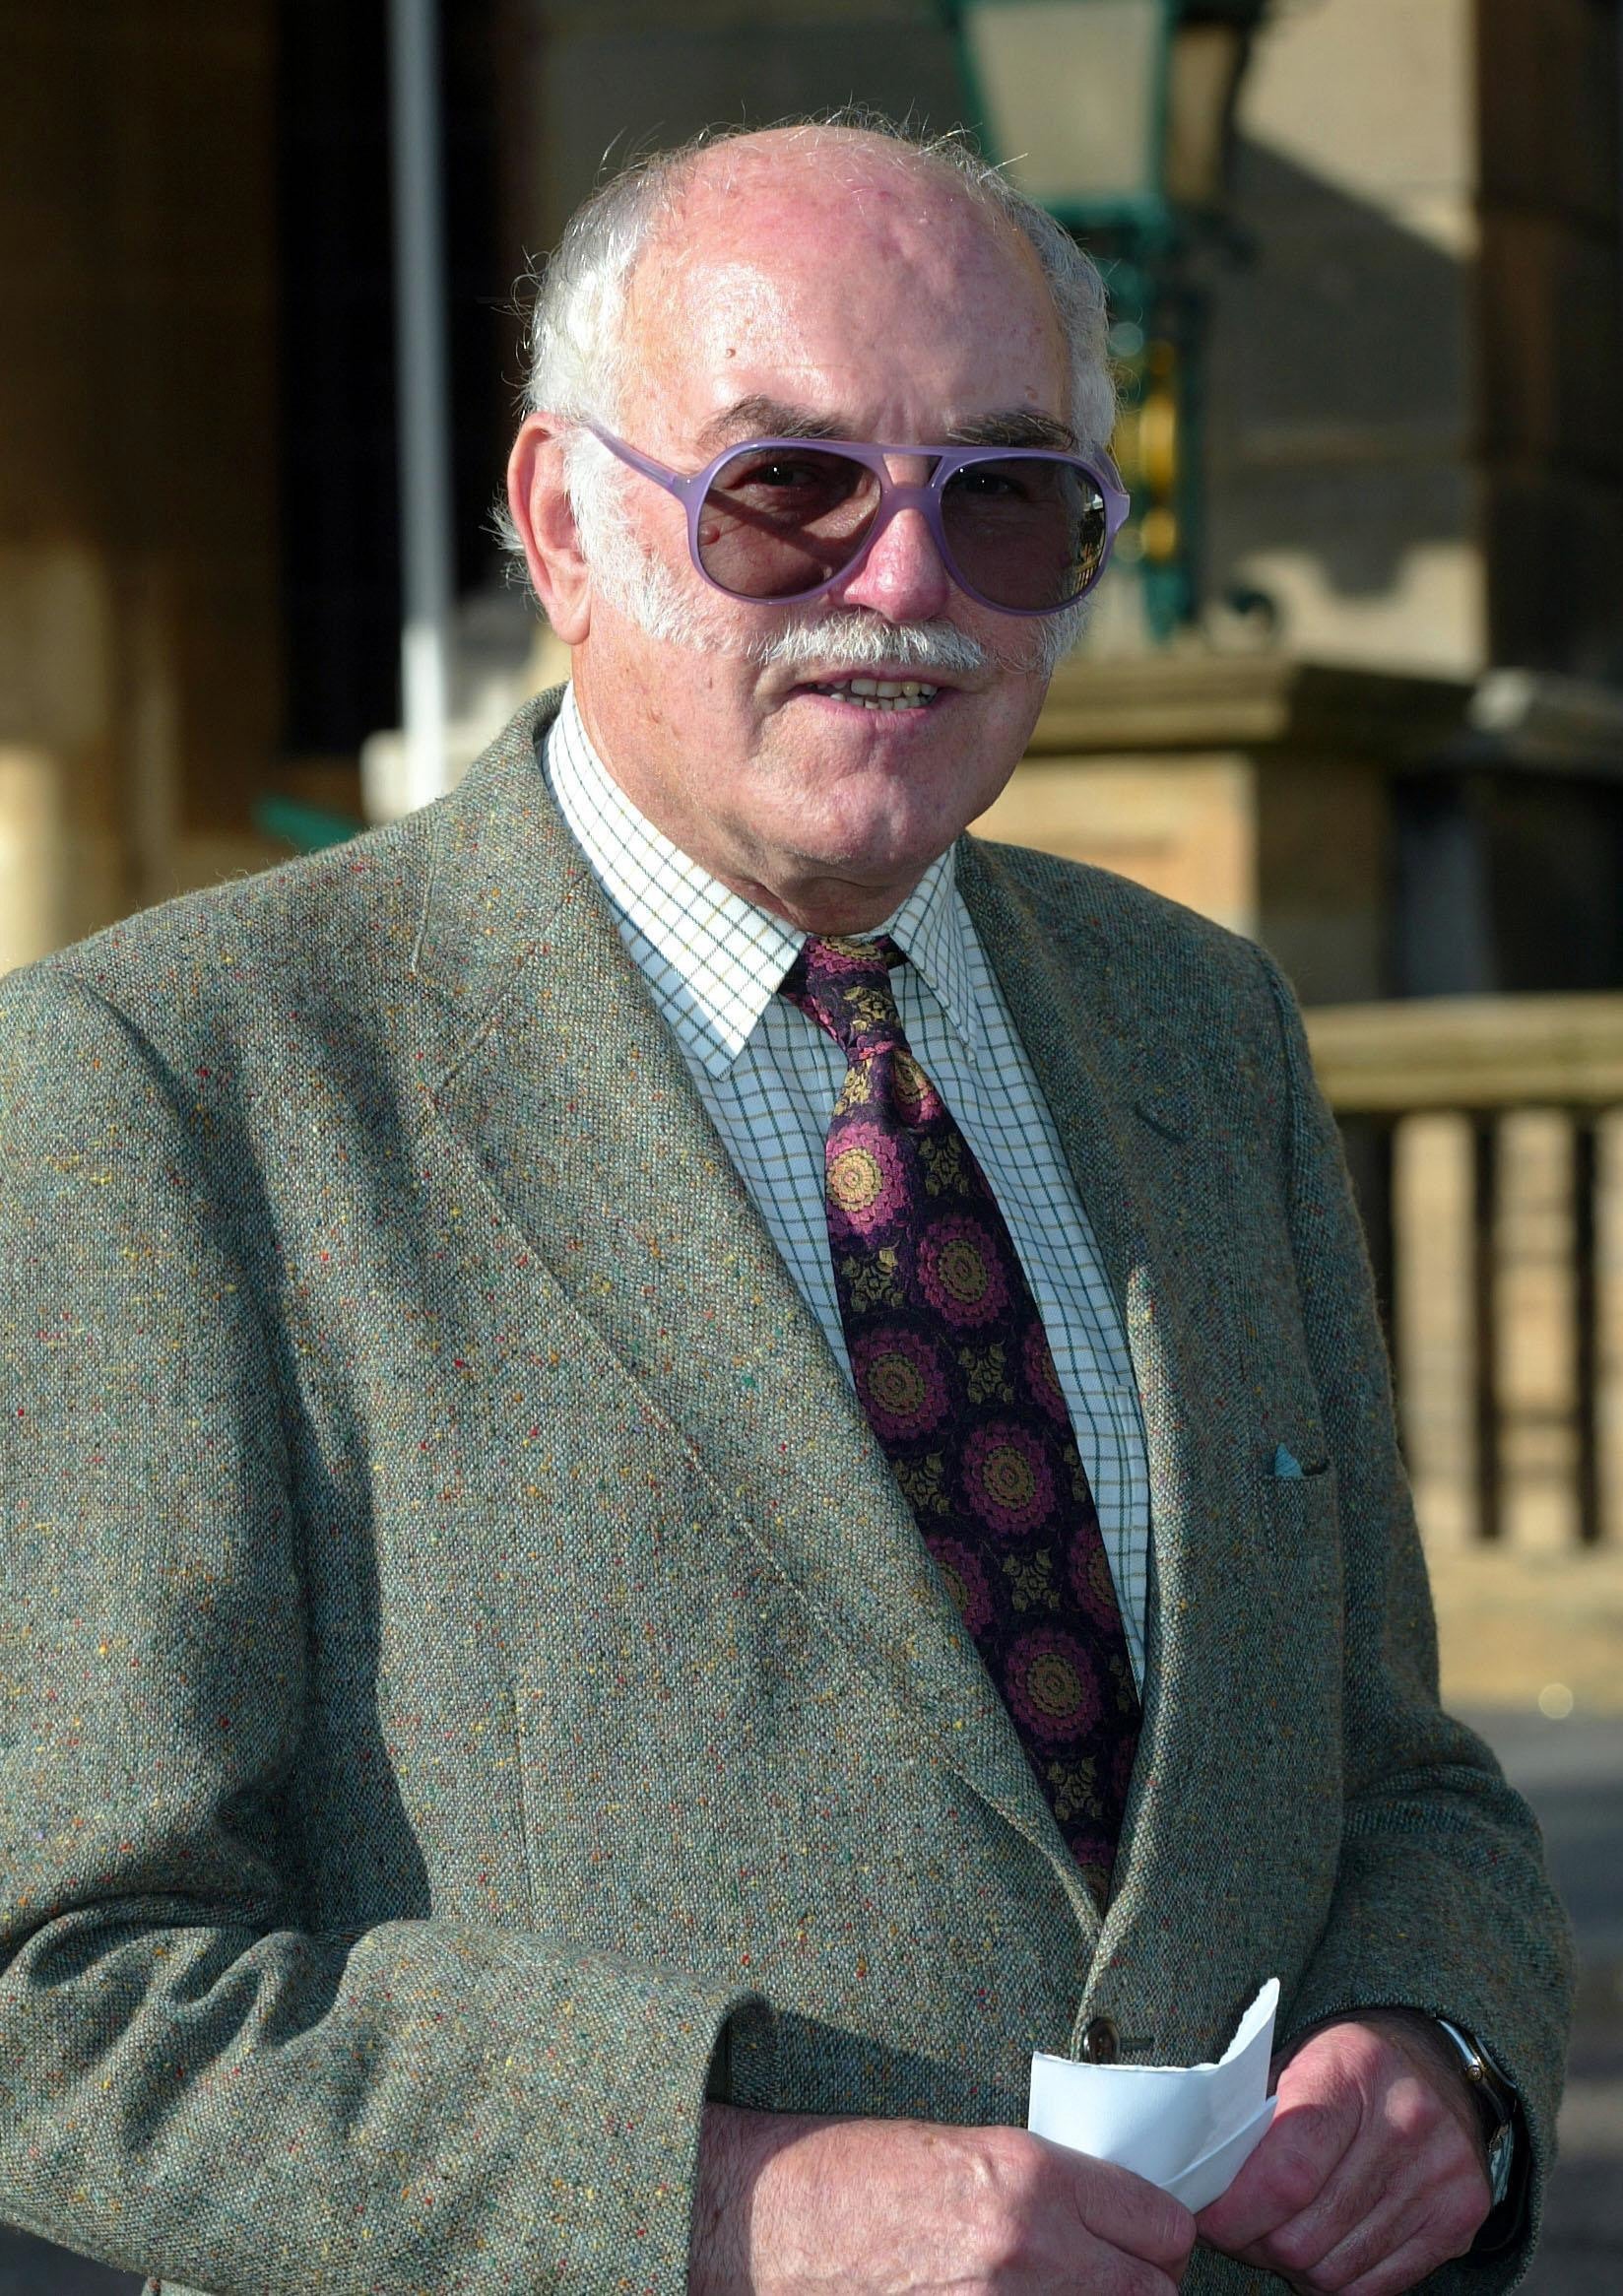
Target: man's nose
<point x="903" y="576"/>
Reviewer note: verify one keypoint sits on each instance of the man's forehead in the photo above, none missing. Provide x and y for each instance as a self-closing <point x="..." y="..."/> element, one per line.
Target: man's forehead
<point x="774" y="277"/>
<point x="808" y="210"/>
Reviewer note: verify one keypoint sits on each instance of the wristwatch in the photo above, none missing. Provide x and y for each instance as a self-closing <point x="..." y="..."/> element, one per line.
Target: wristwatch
<point x="1496" y="2104"/>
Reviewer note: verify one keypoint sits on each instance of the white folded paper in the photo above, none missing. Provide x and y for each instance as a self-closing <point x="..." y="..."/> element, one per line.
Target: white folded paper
<point x="1189" y="2129"/>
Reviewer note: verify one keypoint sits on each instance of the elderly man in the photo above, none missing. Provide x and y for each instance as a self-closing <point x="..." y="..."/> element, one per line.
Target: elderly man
<point x="690" y="1461"/>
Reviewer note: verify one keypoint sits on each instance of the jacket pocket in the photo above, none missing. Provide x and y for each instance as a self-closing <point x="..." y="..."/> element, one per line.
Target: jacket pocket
<point x="1296" y="1559"/>
<point x="1299" y="1519"/>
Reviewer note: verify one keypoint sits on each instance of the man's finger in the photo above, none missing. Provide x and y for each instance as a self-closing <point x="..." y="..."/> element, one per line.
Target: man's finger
<point x="1404" y="2269"/>
<point x="1284" y="2177"/>
<point x="1373" y="2199"/>
<point x="1441" y="2221"/>
<point x="1131" y="2214"/>
<point x="1326" y="2247"/>
<point x="1421" y="2222"/>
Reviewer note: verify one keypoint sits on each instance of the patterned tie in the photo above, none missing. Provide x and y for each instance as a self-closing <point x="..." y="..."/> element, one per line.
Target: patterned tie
<point x="953" y="1368"/>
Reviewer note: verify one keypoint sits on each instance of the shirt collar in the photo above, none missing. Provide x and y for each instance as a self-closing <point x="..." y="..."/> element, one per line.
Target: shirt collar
<point x="719" y="960"/>
<point x="933" y="926"/>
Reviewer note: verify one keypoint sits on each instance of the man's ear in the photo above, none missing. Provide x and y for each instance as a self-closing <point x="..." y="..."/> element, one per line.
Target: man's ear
<point x="539" y="504"/>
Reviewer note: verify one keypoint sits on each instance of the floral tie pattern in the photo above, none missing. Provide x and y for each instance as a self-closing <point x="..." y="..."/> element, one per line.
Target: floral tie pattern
<point x="953" y="1369"/>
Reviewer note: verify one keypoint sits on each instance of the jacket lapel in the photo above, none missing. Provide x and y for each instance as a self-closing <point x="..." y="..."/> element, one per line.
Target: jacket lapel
<point x="1126" y="1118"/>
<point x="568" y="1091"/>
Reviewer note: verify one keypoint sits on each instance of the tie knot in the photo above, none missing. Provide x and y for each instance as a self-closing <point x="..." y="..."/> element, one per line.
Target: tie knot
<point x="844" y="985"/>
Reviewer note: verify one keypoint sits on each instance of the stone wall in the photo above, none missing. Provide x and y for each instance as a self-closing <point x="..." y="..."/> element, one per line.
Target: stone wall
<point x="1342" y="383"/>
<point x="1416" y="382"/>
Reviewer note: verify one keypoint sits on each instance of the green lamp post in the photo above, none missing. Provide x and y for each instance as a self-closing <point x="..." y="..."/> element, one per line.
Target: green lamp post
<point x="1117" y="115"/>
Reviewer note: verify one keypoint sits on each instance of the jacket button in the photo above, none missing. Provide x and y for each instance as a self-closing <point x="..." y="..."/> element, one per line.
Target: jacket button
<point x="1101" y="2043"/>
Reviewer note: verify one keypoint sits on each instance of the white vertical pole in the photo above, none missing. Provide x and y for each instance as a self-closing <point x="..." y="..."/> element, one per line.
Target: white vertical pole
<point x="424" y="399"/>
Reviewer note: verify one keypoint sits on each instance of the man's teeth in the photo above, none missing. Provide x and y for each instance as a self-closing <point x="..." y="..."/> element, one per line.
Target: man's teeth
<point x="881" y="692"/>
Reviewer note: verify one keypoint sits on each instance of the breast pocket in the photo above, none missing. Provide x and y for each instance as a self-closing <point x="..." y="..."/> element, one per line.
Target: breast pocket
<point x="1296" y="1564"/>
<point x="1299" y="1527"/>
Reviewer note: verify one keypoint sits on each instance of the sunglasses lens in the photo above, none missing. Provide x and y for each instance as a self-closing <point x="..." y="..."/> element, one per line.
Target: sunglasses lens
<point x="1030" y="534"/>
<point x="779" y="521"/>
<point x="1027" y="533"/>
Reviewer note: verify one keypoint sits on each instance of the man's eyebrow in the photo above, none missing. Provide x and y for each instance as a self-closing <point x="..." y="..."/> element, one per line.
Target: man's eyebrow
<point x="762" y="417"/>
<point x="758" y="416"/>
<point x="1017" y="427"/>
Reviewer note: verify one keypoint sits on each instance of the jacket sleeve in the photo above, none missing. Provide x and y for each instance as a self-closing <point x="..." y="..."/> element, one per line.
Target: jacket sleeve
<point x="192" y="2084"/>
<point x="1441" y="1900"/>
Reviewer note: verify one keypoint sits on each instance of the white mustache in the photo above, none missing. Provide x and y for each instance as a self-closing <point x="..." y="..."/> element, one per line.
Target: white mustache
<point x="862" y="642"/>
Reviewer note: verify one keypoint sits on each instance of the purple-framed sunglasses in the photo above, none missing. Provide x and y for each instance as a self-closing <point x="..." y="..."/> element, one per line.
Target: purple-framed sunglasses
<point x="1022" y="529"/>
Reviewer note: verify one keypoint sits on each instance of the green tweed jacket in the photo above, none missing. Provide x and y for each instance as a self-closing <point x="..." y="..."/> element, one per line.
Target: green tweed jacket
<point x="471" y="1685"/>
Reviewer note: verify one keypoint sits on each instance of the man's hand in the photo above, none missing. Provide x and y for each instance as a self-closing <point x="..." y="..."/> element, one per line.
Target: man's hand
<point x="793" y="2204"/>
<point x="1373" y="2172"/>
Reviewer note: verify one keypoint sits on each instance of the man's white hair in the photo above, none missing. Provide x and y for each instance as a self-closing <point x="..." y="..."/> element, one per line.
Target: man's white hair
<point x="575" y="349"/>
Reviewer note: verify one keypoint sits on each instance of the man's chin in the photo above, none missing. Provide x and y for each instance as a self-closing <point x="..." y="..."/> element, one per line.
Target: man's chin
<point x="889" y="819"/>
<point x="880" y="855"/>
